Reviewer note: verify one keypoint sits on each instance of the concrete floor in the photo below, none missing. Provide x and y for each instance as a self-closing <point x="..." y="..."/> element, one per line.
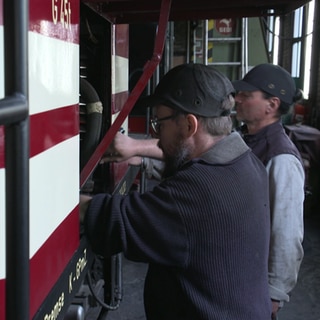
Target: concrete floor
<point x="305" y="299"/>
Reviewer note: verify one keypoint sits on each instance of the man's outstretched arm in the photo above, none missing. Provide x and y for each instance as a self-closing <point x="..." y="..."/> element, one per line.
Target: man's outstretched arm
<point x="124" y="148"/>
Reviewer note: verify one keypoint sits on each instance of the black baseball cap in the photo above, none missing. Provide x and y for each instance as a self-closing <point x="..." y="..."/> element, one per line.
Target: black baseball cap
<point x="271" y="79"/>
<point x="194" y="88"/>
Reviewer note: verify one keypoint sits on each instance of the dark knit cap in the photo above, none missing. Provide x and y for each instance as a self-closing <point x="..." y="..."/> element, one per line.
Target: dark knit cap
<point x="271" y="79"/>
<point x="193" y="88"/>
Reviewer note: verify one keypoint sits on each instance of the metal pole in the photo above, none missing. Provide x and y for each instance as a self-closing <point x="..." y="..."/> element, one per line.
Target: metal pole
<point x="16" y="158"/>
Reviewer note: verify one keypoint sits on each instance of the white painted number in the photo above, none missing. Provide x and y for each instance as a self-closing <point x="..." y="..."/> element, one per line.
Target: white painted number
<point x="62" y="14"/>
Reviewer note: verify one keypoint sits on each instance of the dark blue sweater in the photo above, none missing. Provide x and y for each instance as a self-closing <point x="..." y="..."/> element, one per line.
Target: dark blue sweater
<point x="204" y="233"/>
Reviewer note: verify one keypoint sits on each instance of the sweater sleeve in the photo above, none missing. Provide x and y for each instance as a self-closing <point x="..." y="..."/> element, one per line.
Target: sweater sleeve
<point x="94" y="222"/>
<point x="145" y="227"/>
<point x="286" y="183"/>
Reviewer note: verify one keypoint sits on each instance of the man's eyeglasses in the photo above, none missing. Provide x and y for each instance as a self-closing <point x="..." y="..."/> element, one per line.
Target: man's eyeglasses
<point x="155" y="122"/>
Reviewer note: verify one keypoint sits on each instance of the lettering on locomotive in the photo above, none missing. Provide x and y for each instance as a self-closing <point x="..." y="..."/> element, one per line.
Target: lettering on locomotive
<point x="80" y="265"/>
<point x="56" y="309"/>
<point x="61" y="12"/>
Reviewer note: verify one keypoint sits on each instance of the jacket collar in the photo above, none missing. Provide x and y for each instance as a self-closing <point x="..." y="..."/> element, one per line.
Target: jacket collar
<point x="226" y="150"/>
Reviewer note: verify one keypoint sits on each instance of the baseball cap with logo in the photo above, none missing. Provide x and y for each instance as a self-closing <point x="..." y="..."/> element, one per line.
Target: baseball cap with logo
<point x="271" y="79"/>
<point x="193" y="88"/>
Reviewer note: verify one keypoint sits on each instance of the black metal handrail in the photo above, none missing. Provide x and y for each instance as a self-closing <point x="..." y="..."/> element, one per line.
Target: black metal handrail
<point x="14" y="116"/>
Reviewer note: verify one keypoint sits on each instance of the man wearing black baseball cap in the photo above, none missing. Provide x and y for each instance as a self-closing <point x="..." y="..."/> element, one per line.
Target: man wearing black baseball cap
<point x="265" y="94"/>
<point x="204" y="230"/>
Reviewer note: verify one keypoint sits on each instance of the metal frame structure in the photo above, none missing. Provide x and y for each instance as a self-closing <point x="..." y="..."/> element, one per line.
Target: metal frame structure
<point x="126" y="11"/>
<point x="14" y="110"/>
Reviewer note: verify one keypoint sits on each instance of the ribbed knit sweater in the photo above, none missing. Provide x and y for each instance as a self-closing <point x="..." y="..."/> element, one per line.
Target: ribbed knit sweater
<point x="204" y="233"/>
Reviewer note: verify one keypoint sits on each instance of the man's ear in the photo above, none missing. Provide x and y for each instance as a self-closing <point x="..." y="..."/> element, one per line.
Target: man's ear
<point x="193" y="123"/>
<point x="274" y="104"/>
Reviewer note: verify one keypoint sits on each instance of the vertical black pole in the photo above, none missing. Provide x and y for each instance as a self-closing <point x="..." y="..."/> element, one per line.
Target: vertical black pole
<point x="17" y="222"/>
<point x="16" y="17"/>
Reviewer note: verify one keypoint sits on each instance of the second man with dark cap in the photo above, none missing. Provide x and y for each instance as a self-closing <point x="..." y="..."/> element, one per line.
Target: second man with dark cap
<point x="265" y="94"/>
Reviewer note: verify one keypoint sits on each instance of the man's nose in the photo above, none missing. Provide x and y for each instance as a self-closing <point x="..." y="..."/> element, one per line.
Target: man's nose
<point x="237" y="98"/>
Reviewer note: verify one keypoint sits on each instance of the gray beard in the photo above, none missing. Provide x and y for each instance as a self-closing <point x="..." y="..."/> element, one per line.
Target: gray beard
<point x="172" y="163"/>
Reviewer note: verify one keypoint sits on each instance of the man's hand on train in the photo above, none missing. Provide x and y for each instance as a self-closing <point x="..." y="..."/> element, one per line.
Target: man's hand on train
<point x="121" y="149"/>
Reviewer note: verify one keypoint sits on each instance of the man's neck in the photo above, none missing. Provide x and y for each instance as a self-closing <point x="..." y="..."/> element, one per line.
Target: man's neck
<point x="254" y="127"/>
<point x="205" y="143"/>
